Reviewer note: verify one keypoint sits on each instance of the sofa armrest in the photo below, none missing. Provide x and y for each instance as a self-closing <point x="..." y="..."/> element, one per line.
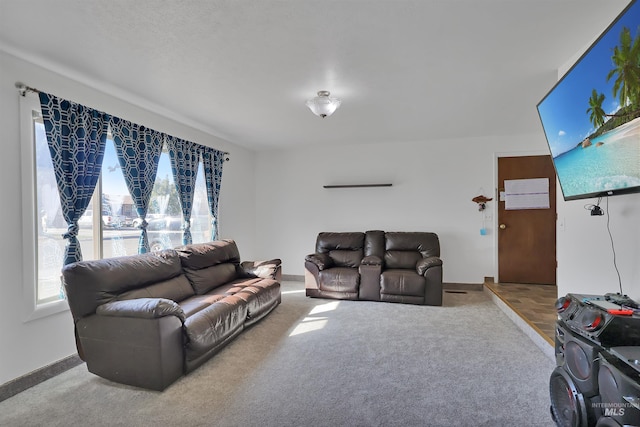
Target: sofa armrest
<point x="426" y="263"/>
<point x="370" y="271"/>
<point x="263" y="269"/>
<point x="140" y="351"/>
<point x="322" y="261"/>
<point x="143" y="308"/>
<point x="371" y="260"/>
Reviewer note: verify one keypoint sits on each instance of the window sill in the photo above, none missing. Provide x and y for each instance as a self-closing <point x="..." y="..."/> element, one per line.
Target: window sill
<point x="44" y="310"/>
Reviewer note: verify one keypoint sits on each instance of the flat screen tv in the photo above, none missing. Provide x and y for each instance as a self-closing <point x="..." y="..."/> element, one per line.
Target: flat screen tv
<point x="591" y="117"/>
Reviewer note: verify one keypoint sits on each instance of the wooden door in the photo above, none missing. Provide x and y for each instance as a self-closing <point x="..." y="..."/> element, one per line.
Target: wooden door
<point x="527" y="237"/>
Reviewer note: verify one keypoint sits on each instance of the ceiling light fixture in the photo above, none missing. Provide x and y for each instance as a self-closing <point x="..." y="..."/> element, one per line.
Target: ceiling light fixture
<point x="323" y="105"/>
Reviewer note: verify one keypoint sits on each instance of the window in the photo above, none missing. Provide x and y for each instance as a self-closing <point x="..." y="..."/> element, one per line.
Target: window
<point x="51" y="225"/>
<point x="42" y="218"/>
<point x="120" y="234"/>
<point x="112" y="233"/>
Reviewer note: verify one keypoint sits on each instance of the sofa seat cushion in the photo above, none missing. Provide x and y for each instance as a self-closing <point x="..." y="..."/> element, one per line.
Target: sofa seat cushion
<point x="260" y="296"/>
<point x="266" y="269"/>
<point x="232" y="287"/>
<point x="339" y="279"/>
<point x="402" y="282"/>
<point x="192" y="305"/>
<point x="213" y="325"/>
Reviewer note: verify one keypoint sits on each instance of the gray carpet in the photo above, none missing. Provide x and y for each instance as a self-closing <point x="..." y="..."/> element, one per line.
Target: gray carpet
<point x="316" y="362"/>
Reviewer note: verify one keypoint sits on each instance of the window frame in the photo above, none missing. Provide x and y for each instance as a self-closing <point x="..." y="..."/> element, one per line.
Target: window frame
<point x="29" y="102"/>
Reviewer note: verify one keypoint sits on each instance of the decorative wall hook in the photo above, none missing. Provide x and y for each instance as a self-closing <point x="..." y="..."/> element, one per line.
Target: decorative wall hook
<point x="481" y="201"/>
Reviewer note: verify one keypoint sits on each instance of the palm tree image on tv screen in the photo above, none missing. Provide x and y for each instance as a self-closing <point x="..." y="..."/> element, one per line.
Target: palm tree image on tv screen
<point x="591" y="117"/>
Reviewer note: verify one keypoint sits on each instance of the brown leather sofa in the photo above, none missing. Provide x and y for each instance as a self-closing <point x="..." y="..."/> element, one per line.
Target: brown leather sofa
<point x="376" y="266"/>
<point x="145" y="320"/>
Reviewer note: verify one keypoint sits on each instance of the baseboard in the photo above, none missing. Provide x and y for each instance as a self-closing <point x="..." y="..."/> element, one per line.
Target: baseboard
<point x="34" y="378"/>
<point x="462" y="286"/>
<point x="292" y="278"/>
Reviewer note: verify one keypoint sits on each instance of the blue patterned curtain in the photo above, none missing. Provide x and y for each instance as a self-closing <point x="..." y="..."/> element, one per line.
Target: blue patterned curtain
<point x="76" y="136"/>
<point x="138" y="149"/>
<point x="212" y="161"/>
<point x="184" y="165"/>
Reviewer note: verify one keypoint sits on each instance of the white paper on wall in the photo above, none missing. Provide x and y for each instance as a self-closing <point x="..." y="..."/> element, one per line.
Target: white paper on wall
<point x="526" y="193"/>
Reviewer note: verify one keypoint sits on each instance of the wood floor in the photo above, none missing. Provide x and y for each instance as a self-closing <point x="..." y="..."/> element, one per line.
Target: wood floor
<point x="535" y="304"/>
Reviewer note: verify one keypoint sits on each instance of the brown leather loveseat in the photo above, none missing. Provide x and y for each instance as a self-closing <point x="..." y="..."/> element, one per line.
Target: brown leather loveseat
<point x="376" y="266"/>
<point x="145" y="320"/>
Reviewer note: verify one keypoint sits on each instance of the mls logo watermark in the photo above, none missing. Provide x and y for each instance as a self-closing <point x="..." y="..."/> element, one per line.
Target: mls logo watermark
<point x="613" y="409"/>
<point x="614" y="412"/>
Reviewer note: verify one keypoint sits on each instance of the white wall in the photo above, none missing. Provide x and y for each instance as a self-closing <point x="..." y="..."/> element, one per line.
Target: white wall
<point x="585" y="253"/>
<point x="27" y="346"/>
<point x="433" y="184"/>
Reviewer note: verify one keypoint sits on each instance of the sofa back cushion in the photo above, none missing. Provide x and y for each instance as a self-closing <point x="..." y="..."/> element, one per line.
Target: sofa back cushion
<point x="401" y="259"/>
<point x="374" y="243"/>
<point x="209" y="265"/>
<point x="91" y="283"/>
<point x="405" y="249"/>
<point x="202" y="255"/>
<point x="206" y="279"/>
<point x="176" y="289"/>
<point x="345" y="249"/>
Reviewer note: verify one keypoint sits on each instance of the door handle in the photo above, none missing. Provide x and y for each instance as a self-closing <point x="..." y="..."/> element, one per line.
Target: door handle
<point x="502" y="226"/>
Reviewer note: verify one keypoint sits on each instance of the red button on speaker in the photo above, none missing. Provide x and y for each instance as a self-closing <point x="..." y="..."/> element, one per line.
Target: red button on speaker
<point x="592" y="320"/>
<point x="562" y="304"/>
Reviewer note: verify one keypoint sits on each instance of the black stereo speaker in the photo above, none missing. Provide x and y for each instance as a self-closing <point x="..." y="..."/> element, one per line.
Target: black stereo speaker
<point x="619" y="384"/>
<point x="607" y="422"/>
<point x="579" y="357"/>
<point x="596" y="319"/>
<point x="569" y="407"/>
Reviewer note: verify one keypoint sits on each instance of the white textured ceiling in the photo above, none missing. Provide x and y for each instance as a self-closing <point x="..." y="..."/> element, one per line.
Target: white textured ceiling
<point x="406" y="70"/>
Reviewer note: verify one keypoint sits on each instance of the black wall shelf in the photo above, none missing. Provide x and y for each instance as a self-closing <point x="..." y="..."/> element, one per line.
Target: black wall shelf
<point x="356" y="185"/>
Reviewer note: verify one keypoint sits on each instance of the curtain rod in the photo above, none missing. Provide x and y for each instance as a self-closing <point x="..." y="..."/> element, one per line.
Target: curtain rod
<point x="23" y="89"/>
